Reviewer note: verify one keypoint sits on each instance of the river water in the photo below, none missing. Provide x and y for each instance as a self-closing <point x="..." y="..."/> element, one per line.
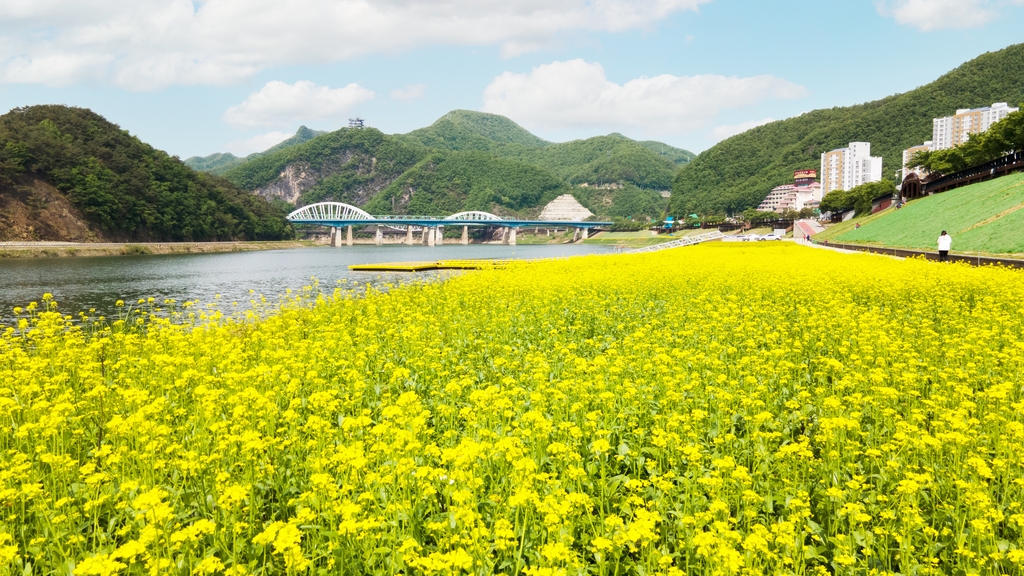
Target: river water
<point x="81" y="283"/>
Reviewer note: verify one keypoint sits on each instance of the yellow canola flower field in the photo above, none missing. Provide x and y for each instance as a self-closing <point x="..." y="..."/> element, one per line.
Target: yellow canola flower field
<point x="721" y="409"/>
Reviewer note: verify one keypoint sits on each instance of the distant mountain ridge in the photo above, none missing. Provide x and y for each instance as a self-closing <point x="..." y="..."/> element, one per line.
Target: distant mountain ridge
<point x="220" y="162"/>
<point x="464" y="160"/>
<point x="738" y="172"/>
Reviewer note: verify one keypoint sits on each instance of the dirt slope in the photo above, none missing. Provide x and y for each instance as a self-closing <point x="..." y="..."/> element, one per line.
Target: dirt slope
<point x="31" y="209"/>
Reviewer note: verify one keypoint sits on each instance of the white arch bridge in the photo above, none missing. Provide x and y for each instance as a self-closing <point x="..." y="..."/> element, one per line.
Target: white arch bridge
<point x="339" y="215"/>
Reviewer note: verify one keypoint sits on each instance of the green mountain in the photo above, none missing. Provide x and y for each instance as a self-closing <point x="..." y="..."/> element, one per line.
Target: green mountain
<point x="218" y="161"/>
<point x="467" y="130"/>
<point x="221" y="162"/>
<point x="115" y="185"/>
<point x="601" y="160"/>
<point x="738" y="173"/>
<point x="678" y="156"/>
<point x="347" y="165"/>
<point x="445" y="182"/>
<point x="465" y="160"/>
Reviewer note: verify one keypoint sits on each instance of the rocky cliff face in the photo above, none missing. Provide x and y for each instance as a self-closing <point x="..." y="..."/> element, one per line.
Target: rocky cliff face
<point x="32" y="210"/>
<point x="351" y="178"/>
<point x="289" y="186"/>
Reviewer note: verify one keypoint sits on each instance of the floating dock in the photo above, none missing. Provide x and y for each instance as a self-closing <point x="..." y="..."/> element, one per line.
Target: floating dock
<point x="428" y="266"/>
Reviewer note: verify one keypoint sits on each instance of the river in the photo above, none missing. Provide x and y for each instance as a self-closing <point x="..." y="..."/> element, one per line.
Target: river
<point x="78" y="284"/>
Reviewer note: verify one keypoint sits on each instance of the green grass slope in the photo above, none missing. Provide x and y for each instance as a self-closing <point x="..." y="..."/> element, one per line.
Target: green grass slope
<point x="125" y="187"/>
<point x="984" y="217"/>
<point x="219" y="163"/>
<point x="738" y="172"/>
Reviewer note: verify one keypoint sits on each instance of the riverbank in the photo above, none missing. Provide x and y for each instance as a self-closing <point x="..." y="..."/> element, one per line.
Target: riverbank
<point x="73" y="249"/>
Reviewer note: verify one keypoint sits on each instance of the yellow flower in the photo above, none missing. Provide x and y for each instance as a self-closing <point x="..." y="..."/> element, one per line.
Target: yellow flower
<point x="99" y="565"/>
<point x="210" y="565"/>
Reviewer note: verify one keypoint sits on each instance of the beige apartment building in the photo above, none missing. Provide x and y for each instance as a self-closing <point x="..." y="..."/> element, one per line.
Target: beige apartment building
<point x="846" y="168"/>
<point x="952" y="131"/>
<point x="926" y="147"/>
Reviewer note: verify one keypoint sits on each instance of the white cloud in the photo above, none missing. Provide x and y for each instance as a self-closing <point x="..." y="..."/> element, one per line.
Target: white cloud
<point x="278" y="104"/>
<point x="929" y="15"/>
<point x="410" y="92"/>
<point x="577" y="94"/>
<point x="56" y="69"/>
<point x="257" y="143"/>
<point x="149" y="44"/>
<point x="727" y="131"/>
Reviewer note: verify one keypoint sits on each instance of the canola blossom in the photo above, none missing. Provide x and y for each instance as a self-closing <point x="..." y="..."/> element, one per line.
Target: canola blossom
<point x="721" y="409"/>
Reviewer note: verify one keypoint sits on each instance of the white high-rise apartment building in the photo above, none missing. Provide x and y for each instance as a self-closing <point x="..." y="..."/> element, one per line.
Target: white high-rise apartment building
<point x="849" y="167"/>
<point x="953" y="131"/>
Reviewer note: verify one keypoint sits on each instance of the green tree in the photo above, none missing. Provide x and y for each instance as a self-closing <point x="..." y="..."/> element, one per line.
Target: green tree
<point x="125" y="187"/>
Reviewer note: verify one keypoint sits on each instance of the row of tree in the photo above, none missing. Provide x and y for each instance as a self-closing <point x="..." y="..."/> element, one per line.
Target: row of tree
<point x="858" y="198"/>
<point x="1003" y="137"/>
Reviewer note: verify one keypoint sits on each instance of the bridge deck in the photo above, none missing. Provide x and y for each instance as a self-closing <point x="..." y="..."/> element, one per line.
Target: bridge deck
<point x="448" y="222"/>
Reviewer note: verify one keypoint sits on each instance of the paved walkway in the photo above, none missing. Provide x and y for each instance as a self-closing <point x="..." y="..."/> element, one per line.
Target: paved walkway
<point x="802" y="228"/>
<point x="803" y="242"/>
<point x="901" y="253"/>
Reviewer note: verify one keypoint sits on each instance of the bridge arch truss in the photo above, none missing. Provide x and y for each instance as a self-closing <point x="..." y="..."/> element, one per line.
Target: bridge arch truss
<point x="326" y="211"/>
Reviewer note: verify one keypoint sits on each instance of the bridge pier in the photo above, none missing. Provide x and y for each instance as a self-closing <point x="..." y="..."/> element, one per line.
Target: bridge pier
<point x="465" y="235"/>
<point x="575" y="234"/>
<point x="439" y="235"/>
<point x="334" y="237"/>
<point x="408" y="235"/>
<point x="378" y="237"/>
<point x="432" y="236"/>
<point x="509" y="237"/>
<point x="348" y="236"/>
<point x="585" y="232"/>
<point x="504" y="235"/>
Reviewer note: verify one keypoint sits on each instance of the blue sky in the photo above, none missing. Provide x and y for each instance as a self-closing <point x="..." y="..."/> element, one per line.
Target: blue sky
<point x="196" y="77"/>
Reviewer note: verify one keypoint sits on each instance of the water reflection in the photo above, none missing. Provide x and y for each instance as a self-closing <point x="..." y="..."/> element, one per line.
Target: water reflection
<point x="79" y="284"/>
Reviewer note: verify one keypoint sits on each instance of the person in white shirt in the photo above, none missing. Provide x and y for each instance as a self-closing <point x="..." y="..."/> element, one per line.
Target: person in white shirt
<point x="945" y="241"/>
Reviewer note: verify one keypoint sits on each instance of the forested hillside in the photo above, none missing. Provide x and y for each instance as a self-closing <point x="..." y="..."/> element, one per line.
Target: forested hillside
<point x="120" y="187"/>
<point x="465" y="160"/>
<point x="738" y="173"/>
<point x="445" y="182"/>
<point x="347" y="165"/>
<point x="221" y="162"/>
<point x="467" y="130"/>
<point x="601" y="160"/>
